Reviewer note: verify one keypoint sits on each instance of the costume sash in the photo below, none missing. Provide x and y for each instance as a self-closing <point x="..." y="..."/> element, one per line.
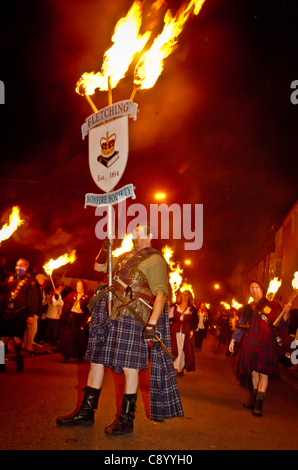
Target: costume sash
<point x="136" y="259"/>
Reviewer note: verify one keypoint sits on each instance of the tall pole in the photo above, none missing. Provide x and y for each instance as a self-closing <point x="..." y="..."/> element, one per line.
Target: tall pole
<point x="110" y="223"/>
<point x="110" y="96"/>
<point x="110" y="257"/>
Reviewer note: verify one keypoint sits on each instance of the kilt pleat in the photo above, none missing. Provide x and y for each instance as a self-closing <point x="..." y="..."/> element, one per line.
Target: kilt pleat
<point x="116" y="344"/>
<point x="259" y="351"/>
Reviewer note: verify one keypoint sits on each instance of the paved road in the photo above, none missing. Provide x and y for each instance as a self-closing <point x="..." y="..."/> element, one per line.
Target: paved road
<point x="212" y="400"/>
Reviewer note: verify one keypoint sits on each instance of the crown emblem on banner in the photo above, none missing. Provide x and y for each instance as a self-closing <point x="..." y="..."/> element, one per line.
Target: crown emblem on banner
<point x="108" y="145"/>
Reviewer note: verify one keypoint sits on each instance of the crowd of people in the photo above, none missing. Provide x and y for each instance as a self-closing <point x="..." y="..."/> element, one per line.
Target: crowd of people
<point x="190" y="326"/>
<point x="35" y="312"/>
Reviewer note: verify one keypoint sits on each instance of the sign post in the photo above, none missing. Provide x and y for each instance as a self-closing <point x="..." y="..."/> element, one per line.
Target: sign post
<point x="108" y="155"/>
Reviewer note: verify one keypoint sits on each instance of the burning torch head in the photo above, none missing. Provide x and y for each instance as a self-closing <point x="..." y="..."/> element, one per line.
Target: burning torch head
<point x="295" y="282"/>
<point x="81" y="88"/>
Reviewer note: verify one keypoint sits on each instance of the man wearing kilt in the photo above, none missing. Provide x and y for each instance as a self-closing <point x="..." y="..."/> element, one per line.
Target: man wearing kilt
<point x="120" y="342"/>
<point x="259" y="353"/>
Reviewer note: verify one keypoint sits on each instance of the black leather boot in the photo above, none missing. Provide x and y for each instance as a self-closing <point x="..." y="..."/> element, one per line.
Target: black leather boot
<point x="124" y="422"/>
<point x="85" y="415"/>
<point x="260" y="398"/>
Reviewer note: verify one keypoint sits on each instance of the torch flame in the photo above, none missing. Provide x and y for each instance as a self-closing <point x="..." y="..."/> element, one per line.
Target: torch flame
<point x="14" y="222"/>
<point x="61" y="261"/>
<point x="127" y="42"/>
<point x="295" y="281"/>
<point x="151" y="64"/>
<point x="236" y="305"/>
<point x="187" y="287"/>
<point x="175" y="277"/>
<point x="168" y="254"/>
<point x="273" y="288"/>
<point x="126" y="246"/>
<point x="226" y="306"/>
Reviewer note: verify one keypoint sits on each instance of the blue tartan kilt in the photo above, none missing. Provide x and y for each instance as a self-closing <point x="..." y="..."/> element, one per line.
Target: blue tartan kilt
<point x="116" y="344"/>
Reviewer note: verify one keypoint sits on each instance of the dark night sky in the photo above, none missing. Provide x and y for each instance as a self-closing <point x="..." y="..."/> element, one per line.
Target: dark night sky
<point x="217" y="129"/>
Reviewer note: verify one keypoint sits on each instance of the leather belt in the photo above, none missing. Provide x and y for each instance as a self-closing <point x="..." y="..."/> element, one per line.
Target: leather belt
<point x="132" y="282"/>
<point x="136" y="295"/>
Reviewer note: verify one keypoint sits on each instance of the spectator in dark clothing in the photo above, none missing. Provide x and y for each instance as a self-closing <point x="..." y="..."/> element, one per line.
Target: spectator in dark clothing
<point x="19" y="305"/>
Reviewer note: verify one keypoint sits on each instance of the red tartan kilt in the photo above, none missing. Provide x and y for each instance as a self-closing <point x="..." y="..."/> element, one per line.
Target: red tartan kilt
<point x="259" y="351"/>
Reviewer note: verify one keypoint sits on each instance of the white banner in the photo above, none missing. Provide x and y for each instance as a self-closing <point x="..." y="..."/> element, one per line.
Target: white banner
<point x="108" y="153"/>
<point x="96" y="200"/>
<point x="122" y="108"/>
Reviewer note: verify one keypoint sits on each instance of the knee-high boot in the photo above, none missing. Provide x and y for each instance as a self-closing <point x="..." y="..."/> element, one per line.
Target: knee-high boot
<point x="85" y="415"/>
<point x="124" y="422"/>
<point x="258" y="406"/>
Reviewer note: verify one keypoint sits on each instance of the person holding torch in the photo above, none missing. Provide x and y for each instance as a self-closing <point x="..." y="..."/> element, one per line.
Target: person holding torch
<point x="259" y="353"/>
<point x="19" y="305"/>
<point x="120" y="341"/>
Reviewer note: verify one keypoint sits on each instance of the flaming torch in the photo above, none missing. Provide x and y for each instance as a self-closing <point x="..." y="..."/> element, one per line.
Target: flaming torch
<point x="126" y="246"/>
<point x="175" y="277"/>
<point x="236" y="304"/>
<point x="176" y="280"/>
<point x="127" y="42"/>
<point x="292" y="298"/>
<point x="57" y="263"/>
<point x="14" y="222"/>
<point x="225" y="305"/>
<point x="273" y="288"/>
<point x="151" y="64"/>
<point x="168" y="254"/>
